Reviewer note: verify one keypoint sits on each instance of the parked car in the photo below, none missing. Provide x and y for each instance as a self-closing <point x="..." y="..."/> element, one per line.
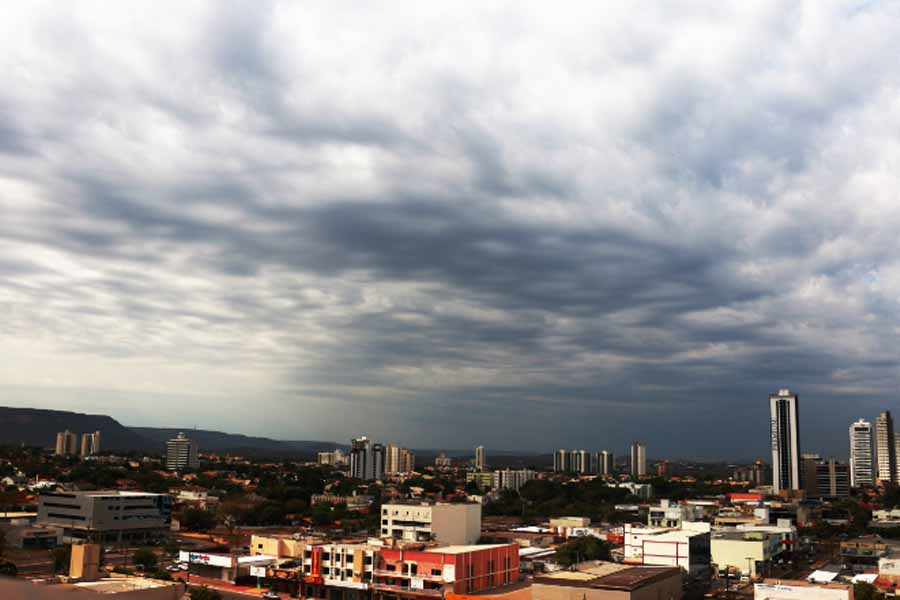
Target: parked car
<point x="270" y="595"/>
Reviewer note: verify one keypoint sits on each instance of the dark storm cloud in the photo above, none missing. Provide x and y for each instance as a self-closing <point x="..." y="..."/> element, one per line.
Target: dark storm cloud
<point x="515" y="228"/>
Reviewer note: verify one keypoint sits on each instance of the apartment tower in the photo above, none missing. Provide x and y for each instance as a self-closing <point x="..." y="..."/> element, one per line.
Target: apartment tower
<point x="885" y="449"/>
<point x="785" y="441"/>
<point x="638" y="460"/>
<point x="480" y="458"/>
<point x="862" y="454"/>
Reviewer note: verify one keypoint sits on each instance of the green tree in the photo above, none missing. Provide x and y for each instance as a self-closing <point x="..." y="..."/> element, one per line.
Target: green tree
<point x="581" y="549"/>
<point x="866" y="591"/>
<point x="145" y="559"/>
<point x="204" y="593"/>
<point x="197" y="519"/>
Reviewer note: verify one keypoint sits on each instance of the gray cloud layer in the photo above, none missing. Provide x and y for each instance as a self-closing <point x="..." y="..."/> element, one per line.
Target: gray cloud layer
<point x="509" y="226"/>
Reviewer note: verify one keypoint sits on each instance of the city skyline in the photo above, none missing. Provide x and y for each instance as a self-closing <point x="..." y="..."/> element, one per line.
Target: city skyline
<point x="503" y="223"/>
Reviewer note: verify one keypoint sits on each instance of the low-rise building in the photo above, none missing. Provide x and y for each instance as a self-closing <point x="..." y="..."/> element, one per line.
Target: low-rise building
<point x="280" y="546"/>
<point x="669" y="514"/>
<point x="748" y="553"/>
<point x="344" y="571"/>
<point x="609" y="581"/>
<point x="446" y="524"/>
<point x="685" y="548"/>
<point x="785" y="589"/>
<point x="225" y="567"/>
<point x="355" y="502"/>
<point x="403" y="574"/>
<point x="106" y="515"/>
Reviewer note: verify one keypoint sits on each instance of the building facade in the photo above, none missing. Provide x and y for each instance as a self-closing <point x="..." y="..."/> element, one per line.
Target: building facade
<point x="826" y="479"/>
<point x="106" y="516"/>
<point x="399" y="460"/>
<point x="604" y="463"/>
<point x="480" y="458"/>
<point x="638" y="460"/>
<point x="181" y="453"/>
<point x="785" y="432"/>
<point x="512" y="479"/>
<point x="433" y="573"/>
<point x="90" y="444"/>
<point x="66" y="443"/>
<point x="367" y="459"/>
<point x="447" y="524"/>
<point x="862" y="454"/>
<point x="885" y="449"/>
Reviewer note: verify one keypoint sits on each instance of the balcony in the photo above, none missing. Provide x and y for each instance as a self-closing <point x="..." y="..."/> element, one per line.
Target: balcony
<point x="406" y="591"/>
<point x="402" y="575"/>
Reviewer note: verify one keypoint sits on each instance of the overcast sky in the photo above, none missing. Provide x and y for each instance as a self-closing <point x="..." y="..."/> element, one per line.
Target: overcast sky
<point x="448" y="224"/>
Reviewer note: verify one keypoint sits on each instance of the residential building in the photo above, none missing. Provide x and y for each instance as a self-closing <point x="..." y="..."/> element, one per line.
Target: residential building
<point x="334" y="457"/>
<point x="561" y="461"/>
<point x="480" y="458"/>
<point x="181" y="453"/>
<point x="662" y="469"/>
<point x="355" y="502"/>
<point x="512" y="479"/>
<point x="106" y="515"/>
<point x="399" y="460"/>
<point x="885" y="449"/>
<point x="785" y="441"/>
<point x="671" y="514"/>
<point x="862" y="454"/>
<point x="638" y="460"/>
<point x="755" y="473"/>
<point x="787" y="589"/>
<point x="66" y="443"/>
<point x="410" y="574"/>
<point x="444" y="523"/>
<point x="366" y="459"/>
<point x="597" y="580"/>
<point x="604" y="462"/>
<point x="746" y="552"/>
<point x="90" y="444"/>
<point x="350" y="567"/>
<point x="484" y="480"/>
<point x="443" y="461"/>
<point x="580" y="461"/>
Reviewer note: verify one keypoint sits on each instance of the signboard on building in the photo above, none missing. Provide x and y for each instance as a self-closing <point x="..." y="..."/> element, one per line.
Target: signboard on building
<point x="450" y="573"/>
<point x="202" y="558"/>
<point x="417" y="583"/>
<point x="801" y="591"/>
<point x="257" y="571"/>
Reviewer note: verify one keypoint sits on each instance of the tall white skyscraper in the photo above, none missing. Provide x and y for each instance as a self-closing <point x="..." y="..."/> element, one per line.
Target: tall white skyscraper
<point x="785" y="441"/>
<point x="560" y="461"/>
<point x="638" y="460"/>
<point x="862" y="454"/>
<point x="480" y="458"/>
<point x="885" y="449"/>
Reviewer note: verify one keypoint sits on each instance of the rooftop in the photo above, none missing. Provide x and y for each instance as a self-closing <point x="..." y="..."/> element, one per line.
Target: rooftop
<point x="464" y="549"/>
<point x="609" y="576"/>
<point x="117" y="585"/>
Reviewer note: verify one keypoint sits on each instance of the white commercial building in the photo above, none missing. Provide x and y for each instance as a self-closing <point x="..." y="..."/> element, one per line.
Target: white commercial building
<point x="106" y="515"/>
<point x="785" y="441"/>
<point x="447" y="524"/>
<point x="862" y="454"/>
<point x="688" y="548"/>
<point x="348" y="565"/>
<point x="774" y="589"/>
